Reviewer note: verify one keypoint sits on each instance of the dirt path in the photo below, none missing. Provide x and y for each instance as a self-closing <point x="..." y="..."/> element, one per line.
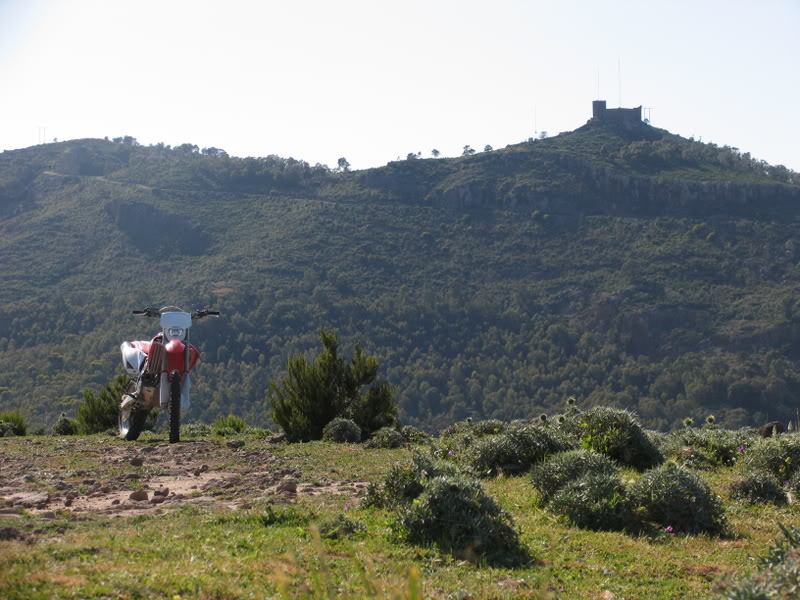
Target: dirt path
<point x="104" y="476"/>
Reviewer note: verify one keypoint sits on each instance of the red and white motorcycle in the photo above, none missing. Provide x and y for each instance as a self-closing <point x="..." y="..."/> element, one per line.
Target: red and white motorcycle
<point x="159" y="371"/>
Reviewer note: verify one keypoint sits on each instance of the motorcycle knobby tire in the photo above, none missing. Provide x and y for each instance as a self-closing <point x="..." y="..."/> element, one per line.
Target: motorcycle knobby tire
<point x="136" y="425"/>
<point x="175" y="408"/>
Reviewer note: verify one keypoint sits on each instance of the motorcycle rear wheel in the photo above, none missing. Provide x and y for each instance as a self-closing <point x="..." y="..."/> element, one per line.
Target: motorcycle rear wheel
<point x="175" y="409"/>
<point x="131" y="423"/>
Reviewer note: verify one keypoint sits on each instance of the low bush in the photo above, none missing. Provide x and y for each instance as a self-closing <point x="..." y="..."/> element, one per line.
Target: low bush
<point x="557" y="470"/>
<point x="229" y="425"/>
<point x="454" y="513"/>
<point x="708" y="446"/>
<point x="405" y="481"/>
<point x="412" y="435"/>
<point x="196" y="430"/>
<point x="12" y="423"/>
<point x="794" y="485"/>
<point x="458" y="438"/>
<point x="779" y="578"/>
<point x="779" y="455"/>
<point x="595" y="501"/>
<point x="514" y="451"/>
<point x="65" y="426"/>
<point x="342" y="431"/>
<point x="474" y="428"/>
<point x="387" y="438"/>
<point x="757" y="487"/>
<point x="615" y="433"/>
<point x="673" y="496"/>
<point x="340" y="527"/>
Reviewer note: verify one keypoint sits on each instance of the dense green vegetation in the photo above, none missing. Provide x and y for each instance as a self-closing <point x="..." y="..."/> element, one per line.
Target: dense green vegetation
<point x="631" y="268"/>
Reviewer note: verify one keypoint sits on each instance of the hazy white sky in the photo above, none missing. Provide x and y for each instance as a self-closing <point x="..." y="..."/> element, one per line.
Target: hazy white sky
<point x="374" y="80"/>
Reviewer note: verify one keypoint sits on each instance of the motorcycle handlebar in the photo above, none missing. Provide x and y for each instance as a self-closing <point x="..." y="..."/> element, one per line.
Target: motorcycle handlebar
<point x="147" y="312"/>
<point x="199" y="314"/>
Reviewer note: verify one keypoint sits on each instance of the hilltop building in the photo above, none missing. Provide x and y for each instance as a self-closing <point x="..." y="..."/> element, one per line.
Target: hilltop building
<point x="627" y="117"/>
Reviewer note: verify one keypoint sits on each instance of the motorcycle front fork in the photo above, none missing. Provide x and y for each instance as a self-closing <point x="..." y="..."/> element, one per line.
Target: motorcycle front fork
<point x="163" y="391"/>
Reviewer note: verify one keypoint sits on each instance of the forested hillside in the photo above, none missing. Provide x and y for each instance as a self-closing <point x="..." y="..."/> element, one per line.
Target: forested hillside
<point x="628" y="267"/>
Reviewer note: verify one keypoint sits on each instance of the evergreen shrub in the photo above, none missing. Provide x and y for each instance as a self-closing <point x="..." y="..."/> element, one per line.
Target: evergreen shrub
<point x="229" y="425"/>
<point x="716" y="446"/>
<point x="779" y="455"/>
<point x="65" y="426"/>
<point x="100" y="412"/>
<point x="342" y="431"/>
<point x="405" y="481"/>
<point x="557" y="470"/>
<point x="12" y="423"/>
<point x="595" y="501"/>
<point x="779" y="578"/>
<point x="455" y="514"/>
<point x="387" y="438"/>
<point x="316" y="392"/>
<point x="340" y="527"/>
<point x="615" y="433"/>
<point x="757" y="487"/>
<point x="673" y="496"/>
<point x="196" y="430"/>
<point x="514" y="451"/>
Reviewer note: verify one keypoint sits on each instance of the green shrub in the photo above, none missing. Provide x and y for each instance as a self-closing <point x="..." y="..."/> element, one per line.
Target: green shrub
<point x="100" y="412"/>
<point x="615" y="433"/>
<point x="779" y="455"/>
<point x="706" y="446"/>
<point x="231" y="423"/>
<point x="454" y="513"/>
<point x="673" y="496"/>
<point x="794" y="485"/>
<point x="12" y="423"/>
<point x="555" y="471"/>
<point x="514" y="451"/>
<point x="405" y="481"/>
<point x="474" y="428"/>
<point x="342" y="431"/>
<point x="314" y="393"/>
<point x="340" y="527"/>
<point x="757" y="487"/>
<point x="412" y="435"/>
<point x="386" y="438"/>
<point x="779" y="578"/>
<point x="196" y="430"/>
<point x="65" y="426"/>
<point x="595" y="501"/>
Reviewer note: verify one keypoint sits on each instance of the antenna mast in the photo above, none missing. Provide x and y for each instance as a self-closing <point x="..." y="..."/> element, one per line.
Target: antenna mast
<point x="619" y="80"/>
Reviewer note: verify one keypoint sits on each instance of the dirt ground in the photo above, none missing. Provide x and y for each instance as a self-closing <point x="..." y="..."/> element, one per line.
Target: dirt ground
<point x="105" y="476"/>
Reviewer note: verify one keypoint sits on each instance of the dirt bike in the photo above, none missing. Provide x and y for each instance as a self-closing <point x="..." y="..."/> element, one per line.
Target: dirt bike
<point x="159" y="371"/>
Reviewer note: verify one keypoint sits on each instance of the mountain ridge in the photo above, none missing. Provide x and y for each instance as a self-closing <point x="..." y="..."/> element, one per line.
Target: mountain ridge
<point x="492" y="285"/>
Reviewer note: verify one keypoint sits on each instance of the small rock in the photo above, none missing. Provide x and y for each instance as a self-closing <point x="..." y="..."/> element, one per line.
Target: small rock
<point x="68" y="502"/>
<point x="157" y="499"/>
<point x="115" y="501"/>
<point x="136" y="461"/>
<point x="235" y="444"/>
<point x="88" y="482"/>
<point x="288" y="486"/>
<point x="138" y="495"/>
<point x="161" y="492"/>
<point x="203" y="468"/>
<point x="277" y="439"/>
<point x="11" y="533"/>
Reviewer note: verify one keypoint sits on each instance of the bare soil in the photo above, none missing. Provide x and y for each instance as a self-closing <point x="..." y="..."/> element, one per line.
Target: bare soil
<point x="94" y="475"/>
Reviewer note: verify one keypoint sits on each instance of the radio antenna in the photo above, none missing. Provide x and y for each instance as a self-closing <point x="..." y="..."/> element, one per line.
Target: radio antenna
<point x="619" y="80"/>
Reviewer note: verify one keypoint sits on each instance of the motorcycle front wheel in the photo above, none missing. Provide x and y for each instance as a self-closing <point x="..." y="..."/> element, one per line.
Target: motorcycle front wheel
<point x="175" y="409"/>
<point x="131" y="423"/>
